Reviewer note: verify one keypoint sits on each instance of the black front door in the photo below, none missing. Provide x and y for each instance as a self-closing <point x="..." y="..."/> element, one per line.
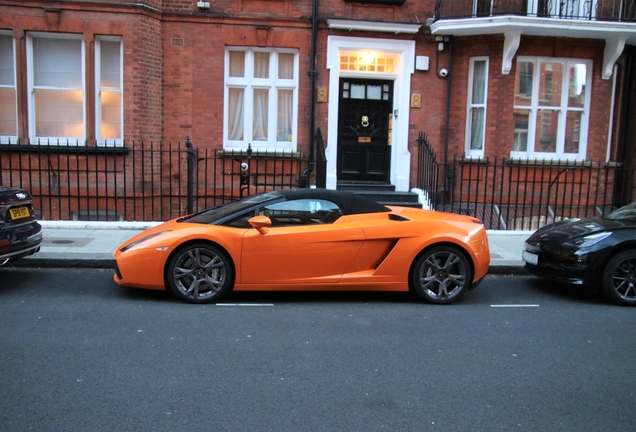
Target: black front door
<point x="364" y="130"/>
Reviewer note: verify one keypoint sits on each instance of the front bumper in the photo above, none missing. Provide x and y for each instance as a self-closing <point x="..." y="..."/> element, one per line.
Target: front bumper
<point x="564" y="265"/>
<point x="140" y="268"/>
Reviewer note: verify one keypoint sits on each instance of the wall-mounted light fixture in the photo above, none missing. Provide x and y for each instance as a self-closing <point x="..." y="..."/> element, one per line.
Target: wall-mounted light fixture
<point x="368" y="58"/>
<point x="203" y="5"/>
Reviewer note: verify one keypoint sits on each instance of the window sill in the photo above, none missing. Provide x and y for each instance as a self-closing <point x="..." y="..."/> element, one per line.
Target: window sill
<point x="61" y="149"/>
<point x="551" y="162"/>
<point x="259" y="154"/>
<point x="386" y="2"/>
<point x="562" y="163"/>
<point x="473" y="160"/>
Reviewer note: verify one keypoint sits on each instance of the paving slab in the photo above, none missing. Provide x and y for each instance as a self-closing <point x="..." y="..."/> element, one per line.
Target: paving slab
<point x="92" y="244"/>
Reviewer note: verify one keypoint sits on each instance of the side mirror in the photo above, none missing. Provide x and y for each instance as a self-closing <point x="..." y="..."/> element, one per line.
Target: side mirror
<point x="261" y="224"/>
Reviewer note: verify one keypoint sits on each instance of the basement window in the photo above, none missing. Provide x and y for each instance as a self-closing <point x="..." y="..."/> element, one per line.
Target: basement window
<point x="97" y="215"/>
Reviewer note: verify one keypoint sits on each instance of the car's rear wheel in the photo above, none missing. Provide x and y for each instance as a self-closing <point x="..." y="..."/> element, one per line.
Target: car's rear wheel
<point x="619" y="278"/>
<point x="200" y="273"/>
<point x="441" y="275"/>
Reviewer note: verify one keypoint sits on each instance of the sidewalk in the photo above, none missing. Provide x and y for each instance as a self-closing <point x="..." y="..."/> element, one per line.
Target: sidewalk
<point x="92" y="244"/>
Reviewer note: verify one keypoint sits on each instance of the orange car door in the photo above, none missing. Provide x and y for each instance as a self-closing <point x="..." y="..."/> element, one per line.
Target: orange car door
<point x="296" y="255"/>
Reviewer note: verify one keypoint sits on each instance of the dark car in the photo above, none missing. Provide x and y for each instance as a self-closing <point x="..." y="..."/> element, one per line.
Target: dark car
<point x="598" y="251"/>
<point x="20" y="233"/>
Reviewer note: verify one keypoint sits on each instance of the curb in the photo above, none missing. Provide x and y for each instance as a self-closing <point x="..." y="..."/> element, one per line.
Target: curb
<point x="79" y="225"/>
<point x="507" y="270"/>
<point x="61" y="263"/>
<point x="109" y="263"/>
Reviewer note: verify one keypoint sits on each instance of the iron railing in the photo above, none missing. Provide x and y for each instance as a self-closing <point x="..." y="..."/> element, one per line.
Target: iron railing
<point x="141" y="182"/>
<point x="514" y="194"/>
<point x="157" y="181"/>
<point x="599" y="10"/>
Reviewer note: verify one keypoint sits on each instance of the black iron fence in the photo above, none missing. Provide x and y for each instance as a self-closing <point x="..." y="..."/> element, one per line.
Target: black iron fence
<point x="157" y="181"/>
<point x="599" y="10"/>
<point x="141" y="181"/>
<point x="513" y="194"/>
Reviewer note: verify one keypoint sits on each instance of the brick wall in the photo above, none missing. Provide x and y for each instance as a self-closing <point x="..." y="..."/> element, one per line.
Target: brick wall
<point x="499" y="122"/>
<point x="141" y="34"/>
<point x="290" y="8"/>
<point x="143" y="53"/>
<point x="410" y="12"/>
<point x="173" y="65"/>
<point x="193" y="74"/>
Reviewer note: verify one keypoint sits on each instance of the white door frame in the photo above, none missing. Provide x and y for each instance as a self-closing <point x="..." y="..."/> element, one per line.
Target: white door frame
<point x="404" y="68"/>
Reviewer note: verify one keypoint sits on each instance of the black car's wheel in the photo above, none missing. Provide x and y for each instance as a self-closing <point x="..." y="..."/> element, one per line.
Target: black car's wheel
<point x="200" y="273"/>
<point x="441" y="275"/>
<point x="619" y="278"/>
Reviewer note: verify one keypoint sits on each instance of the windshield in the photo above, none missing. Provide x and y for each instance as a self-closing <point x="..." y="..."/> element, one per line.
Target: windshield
<point x="627" y="212"/>
<point x="222" y="211"/>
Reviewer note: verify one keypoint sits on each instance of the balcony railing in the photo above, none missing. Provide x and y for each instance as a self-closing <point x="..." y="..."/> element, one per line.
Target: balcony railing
<point x="591" y="10"/>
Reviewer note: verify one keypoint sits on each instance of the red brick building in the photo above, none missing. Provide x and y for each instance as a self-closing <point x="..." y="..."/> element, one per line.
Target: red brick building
<point x="517" y="79"/>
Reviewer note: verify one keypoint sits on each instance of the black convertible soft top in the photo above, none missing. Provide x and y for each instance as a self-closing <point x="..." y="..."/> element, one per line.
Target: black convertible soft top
<point x="348" y="202"/>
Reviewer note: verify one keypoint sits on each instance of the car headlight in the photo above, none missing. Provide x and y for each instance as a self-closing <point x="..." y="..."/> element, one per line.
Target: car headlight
<point x="588" y="240"/>
<point x="141" y="240"/>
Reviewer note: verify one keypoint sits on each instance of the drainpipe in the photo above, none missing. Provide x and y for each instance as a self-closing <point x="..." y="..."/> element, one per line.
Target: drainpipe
<point x="448" y="173"/>
<point x="304" y="179"/>
<point x="626" y="131"/>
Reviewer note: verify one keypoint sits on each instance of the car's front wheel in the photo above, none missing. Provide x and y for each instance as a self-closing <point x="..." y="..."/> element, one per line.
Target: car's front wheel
<point x="619" y="278"/>
<point x="200" y="273"/>
<point x="441" y="275"/>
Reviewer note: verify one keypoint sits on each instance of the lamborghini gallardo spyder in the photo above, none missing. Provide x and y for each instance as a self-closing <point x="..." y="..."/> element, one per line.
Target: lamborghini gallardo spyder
<point x="308" y="239"/>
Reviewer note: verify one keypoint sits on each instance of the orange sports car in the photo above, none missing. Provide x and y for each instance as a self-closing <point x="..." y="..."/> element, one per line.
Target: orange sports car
<point x="308" y="239"/>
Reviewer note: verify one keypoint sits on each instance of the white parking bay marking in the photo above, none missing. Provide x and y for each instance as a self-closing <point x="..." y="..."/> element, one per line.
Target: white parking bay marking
<point x="514" y="305"/>
<point x="245" y="304"/>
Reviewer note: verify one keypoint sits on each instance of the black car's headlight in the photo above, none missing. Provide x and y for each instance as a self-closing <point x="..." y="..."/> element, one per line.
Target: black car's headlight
<point x="141" y="240"/>
<point x="588" y="240"/>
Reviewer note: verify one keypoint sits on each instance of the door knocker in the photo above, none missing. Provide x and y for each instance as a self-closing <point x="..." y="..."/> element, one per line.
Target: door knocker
<point x="365" y="121"/>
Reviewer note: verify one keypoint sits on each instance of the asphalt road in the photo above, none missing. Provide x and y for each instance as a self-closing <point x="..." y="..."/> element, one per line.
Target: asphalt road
<point x="79" y="353"/>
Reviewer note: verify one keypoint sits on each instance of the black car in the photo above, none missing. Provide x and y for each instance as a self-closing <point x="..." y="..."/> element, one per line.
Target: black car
<point x="20" y="233"/>
<point x="598" y="251"/>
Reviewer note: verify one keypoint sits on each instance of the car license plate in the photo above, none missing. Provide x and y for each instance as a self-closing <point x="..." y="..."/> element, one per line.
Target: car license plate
<point x="530" y="258"/>
<point x="19" y="213"/>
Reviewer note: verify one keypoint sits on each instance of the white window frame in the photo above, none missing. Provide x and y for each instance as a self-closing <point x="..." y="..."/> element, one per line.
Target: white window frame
<point x="53" y="140"/>
<point x="562" y="110"/>
<point x="98" y="92"/>
<point x="273" y="83"/>
<point x="470" y="105"/>
<point x="11" y="138"/>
